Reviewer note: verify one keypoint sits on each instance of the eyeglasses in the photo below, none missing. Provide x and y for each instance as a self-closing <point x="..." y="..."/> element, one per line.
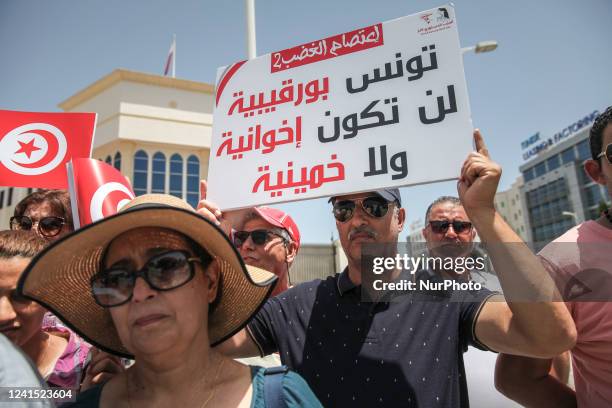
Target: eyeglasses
<point x="440" y="227"/>
<point x="607" y="153"/>
<point x="374" y="206"/>
<point x="47" y="226"/>
<point x="259" y="236"/>
<point x="163" y="272"/>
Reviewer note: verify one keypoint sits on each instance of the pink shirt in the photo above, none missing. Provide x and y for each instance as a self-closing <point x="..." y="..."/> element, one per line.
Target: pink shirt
<point x="581" y="263"/>
<point x="68" y="370"/>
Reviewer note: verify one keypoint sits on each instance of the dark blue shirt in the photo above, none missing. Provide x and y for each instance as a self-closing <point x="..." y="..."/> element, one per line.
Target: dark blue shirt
<point x="404" y="353"/>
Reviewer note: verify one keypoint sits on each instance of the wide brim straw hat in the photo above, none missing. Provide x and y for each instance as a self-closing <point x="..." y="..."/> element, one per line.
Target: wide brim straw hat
<point x="59" y="277"/>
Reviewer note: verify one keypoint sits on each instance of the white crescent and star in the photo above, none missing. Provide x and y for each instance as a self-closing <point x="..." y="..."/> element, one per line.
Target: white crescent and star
<point x="33" y="149"/>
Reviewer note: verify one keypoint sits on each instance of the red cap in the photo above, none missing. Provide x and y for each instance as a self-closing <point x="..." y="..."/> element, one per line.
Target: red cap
<point x="280" y="219"/>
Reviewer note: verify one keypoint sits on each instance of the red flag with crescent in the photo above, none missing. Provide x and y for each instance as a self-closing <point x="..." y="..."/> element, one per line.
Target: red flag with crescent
<point x="35" y="147"/>
<point x="99" y="190"/>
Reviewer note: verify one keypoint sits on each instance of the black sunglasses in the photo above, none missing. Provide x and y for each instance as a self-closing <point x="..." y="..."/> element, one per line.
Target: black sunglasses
<point x="259" y="236"/>
<point x="47" y="226"/>
<point x="163" y="272"/>
<point x="374" y="206"/>
<point x="607" y="153"/>
<point x="440" y="227"/>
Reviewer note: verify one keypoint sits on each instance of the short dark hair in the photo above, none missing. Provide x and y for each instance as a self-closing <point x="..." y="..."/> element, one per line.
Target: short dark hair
<point x="596" y="135"/>
<point x="441" y="200"/>
<point x="20" y="243"/>
<point x="58" y="200"/>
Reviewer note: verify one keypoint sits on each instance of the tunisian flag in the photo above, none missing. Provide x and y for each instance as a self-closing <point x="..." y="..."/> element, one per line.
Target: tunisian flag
<point x="34" y="147"/>
<point x="97" y="190"/>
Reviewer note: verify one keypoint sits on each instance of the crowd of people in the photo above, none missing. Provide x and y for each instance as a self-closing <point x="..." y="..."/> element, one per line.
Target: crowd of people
<point x="162" y="304"/>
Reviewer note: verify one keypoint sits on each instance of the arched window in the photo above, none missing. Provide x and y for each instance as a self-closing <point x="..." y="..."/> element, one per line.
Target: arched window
<point x="141" y="170"/>
<point x="117" y="161"/>
<point x="158" y="179"/>
<point x="176" y="175"/>
<point x="193" y="180"/>
<point x="109" y="160"/>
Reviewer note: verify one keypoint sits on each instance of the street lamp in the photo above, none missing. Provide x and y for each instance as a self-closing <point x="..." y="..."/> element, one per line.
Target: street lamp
<point x="480" y="47"/>
<point x="570" y="214"/>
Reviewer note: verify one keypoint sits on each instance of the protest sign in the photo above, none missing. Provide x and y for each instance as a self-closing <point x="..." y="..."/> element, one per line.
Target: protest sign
<point x="97" y="190"/>
<point x="381" y="106"/>
<point x="34" y="147"/>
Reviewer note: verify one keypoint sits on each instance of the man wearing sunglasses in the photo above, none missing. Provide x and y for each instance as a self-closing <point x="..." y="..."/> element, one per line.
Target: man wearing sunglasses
<point x="580" y="262"/>
<point x="448" y="232"/>
<point x="388" y="354"/>
<point x="269" y="239"/>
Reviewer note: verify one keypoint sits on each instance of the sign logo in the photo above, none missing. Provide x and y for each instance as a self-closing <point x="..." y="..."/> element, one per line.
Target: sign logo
<point x="435" y="20"/>
<point x="33" y="149"/>
<point x="111" y="195"/>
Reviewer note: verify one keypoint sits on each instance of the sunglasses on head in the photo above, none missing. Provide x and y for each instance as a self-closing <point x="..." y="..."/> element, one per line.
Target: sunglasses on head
<point x="47" y="226"/>
<point x="440" y="227"/>
<point x="115" y="286"/>
<point x="607" y="153"/>
<point x="374" y="206"/>
<point x="259" y="236"/>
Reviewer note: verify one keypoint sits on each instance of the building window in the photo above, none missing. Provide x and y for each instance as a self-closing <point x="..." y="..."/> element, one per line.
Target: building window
<point x="141" y="172"/>
<point x="540" y="169"/>
<point x="593" y="195"/>
<point x="117" y="161"/>
<point x="158" y="175"/>
<point x="108" y="160"/>
<point x="9" y="199"/>
<point x="528" y="174"/>
<point x="553" y="162"/>
<point x="193" y="180"/>
<point x="1" y="199"/>
<point x="176" y="175"/>
<point x="584" y="150"/>
<point x="568" y="155"/>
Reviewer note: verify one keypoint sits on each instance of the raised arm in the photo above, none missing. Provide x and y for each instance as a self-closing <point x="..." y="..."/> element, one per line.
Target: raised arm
<point x="532" y="383"/>
<point x="529" y="323"/>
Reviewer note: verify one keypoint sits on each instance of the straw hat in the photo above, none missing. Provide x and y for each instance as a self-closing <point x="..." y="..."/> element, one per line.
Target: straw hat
<point x="59" y="277"/>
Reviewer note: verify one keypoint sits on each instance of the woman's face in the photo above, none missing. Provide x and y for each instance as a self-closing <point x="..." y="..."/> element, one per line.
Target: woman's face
<point x="37" y="212"/>
<point x="155" y="321"/>
<point x="20" y="318"/>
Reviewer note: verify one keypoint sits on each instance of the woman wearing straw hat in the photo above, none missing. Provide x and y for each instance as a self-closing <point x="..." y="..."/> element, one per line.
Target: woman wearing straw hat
<point x="160" y="284"/>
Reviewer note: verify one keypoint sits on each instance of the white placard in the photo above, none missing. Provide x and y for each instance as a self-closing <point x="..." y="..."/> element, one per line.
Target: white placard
<point x="381" y="106"/>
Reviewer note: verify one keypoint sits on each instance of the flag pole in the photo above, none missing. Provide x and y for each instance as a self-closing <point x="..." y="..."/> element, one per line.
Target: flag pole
<point x="174" y="56"/>
<point x="250" y="26"/>
<point x="73" y="196"/>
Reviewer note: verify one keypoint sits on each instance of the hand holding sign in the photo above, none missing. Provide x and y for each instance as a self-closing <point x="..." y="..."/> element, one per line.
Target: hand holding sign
<point x="225" y="220"/>
<point x="479" y="178"/>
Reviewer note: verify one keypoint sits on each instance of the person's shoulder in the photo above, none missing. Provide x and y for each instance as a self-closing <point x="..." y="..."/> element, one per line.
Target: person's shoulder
<point x="297" y="392"/>
<point x="310" y="286"/>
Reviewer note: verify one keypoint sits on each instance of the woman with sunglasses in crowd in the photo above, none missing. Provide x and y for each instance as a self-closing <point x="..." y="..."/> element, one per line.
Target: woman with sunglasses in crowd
<point x="45" y="212"/>
<point x="58" y="353"/>
<point x="160" y="284"/>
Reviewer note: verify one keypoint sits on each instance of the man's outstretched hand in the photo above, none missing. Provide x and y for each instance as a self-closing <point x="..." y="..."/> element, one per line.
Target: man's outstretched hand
<point x="479" y="178"/>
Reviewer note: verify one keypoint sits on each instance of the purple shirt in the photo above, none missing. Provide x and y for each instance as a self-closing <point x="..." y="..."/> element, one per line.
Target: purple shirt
<point x="68" y="370"/>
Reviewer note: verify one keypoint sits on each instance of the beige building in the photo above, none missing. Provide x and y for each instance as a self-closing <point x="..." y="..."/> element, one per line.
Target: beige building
<point x="157" y="131"/>
<point x="508" y="204"/>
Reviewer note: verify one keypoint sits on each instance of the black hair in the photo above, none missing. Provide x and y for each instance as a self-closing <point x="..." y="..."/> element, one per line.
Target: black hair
<point x="596" y="134"/>
<point x="441" y="200"/>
